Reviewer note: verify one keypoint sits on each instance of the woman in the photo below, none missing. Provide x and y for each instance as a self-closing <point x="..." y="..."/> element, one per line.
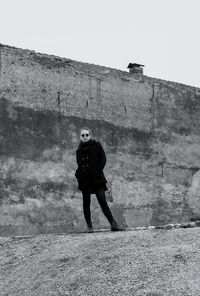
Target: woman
<point x="91" y="160"/>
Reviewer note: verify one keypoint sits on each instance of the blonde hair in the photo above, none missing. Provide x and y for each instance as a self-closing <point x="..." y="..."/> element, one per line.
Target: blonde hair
<point x="87" y="129"/>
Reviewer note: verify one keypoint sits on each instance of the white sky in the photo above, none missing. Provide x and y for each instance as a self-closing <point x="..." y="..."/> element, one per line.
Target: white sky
<point x="161" y="34"/>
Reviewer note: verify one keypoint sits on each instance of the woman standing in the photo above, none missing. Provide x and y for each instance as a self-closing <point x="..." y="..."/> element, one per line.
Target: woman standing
<point x="91" y="160"/>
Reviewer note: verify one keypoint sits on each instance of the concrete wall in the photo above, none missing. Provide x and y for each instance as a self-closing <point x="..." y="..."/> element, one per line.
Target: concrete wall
<point x="149" y="129"/>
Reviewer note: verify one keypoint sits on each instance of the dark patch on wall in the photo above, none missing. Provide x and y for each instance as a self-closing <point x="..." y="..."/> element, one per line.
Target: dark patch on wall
<point x="183" y="130"/>
<point x="4" y="194"/>
<point x="54" y="186"/>
<point x="98" y="82"/>
<point x="117" y="138"/>
<point x="37" y="190"/>
<point x="27" y="133"/>
<point x="190" y="102"/>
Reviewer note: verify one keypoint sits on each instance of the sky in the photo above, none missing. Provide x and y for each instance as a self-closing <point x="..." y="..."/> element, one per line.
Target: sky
<point x="161" y="34"/>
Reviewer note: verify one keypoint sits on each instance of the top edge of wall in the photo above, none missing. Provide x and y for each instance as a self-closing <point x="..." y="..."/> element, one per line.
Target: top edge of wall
<point x="91" y="68"/>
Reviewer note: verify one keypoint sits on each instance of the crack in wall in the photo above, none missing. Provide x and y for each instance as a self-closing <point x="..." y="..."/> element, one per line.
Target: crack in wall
<point x="154" y="111"/>
<point x="59" y="126"/>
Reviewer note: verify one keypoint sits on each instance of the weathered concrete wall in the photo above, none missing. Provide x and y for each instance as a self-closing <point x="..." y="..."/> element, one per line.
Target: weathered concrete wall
<point x="149" y="129"/>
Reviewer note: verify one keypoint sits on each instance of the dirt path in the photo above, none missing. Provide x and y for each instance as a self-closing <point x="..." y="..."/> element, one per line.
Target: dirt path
<point x="148" y="262"/>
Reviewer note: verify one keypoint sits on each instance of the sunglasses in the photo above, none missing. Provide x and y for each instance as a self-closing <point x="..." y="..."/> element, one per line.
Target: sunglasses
<point x="84" y="135"/>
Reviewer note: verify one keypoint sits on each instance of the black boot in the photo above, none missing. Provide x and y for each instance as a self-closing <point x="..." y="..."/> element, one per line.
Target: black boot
<point x="115" y="226"/>
<point x="90" y="227"/>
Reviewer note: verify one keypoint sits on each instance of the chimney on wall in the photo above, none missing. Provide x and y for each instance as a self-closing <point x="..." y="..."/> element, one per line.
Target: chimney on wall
<point x="135" y="68"/>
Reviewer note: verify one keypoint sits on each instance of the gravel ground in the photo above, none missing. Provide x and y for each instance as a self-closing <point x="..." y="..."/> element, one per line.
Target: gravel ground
<point x="144" y="262"/>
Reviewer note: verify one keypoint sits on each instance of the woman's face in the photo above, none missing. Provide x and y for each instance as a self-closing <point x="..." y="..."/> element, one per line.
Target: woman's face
<point x="85" y="136"/>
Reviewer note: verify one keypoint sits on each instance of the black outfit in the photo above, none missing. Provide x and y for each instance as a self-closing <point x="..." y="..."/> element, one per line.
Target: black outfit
<point x="91" y="160"/>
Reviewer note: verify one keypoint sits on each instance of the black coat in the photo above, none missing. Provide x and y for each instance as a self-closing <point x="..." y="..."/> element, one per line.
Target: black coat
<point x="91" y="160"/>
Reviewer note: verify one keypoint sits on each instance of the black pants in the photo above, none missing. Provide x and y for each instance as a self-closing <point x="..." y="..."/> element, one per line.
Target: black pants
<point x="100" y="194"/>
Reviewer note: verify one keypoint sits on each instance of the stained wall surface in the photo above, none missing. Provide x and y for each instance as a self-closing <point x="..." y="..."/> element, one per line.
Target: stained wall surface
<point x="149" y="129"/>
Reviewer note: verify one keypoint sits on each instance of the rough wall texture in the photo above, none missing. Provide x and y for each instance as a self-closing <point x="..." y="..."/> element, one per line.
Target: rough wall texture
<point x="149" y="129"/>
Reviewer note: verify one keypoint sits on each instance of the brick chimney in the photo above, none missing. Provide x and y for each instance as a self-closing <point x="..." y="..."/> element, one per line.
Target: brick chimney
<point x="135" y="68"/>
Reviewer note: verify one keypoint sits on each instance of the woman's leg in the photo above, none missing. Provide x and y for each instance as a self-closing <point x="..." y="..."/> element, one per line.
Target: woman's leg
<point x="86" y="208"/>
<point x="100" y="194"/>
